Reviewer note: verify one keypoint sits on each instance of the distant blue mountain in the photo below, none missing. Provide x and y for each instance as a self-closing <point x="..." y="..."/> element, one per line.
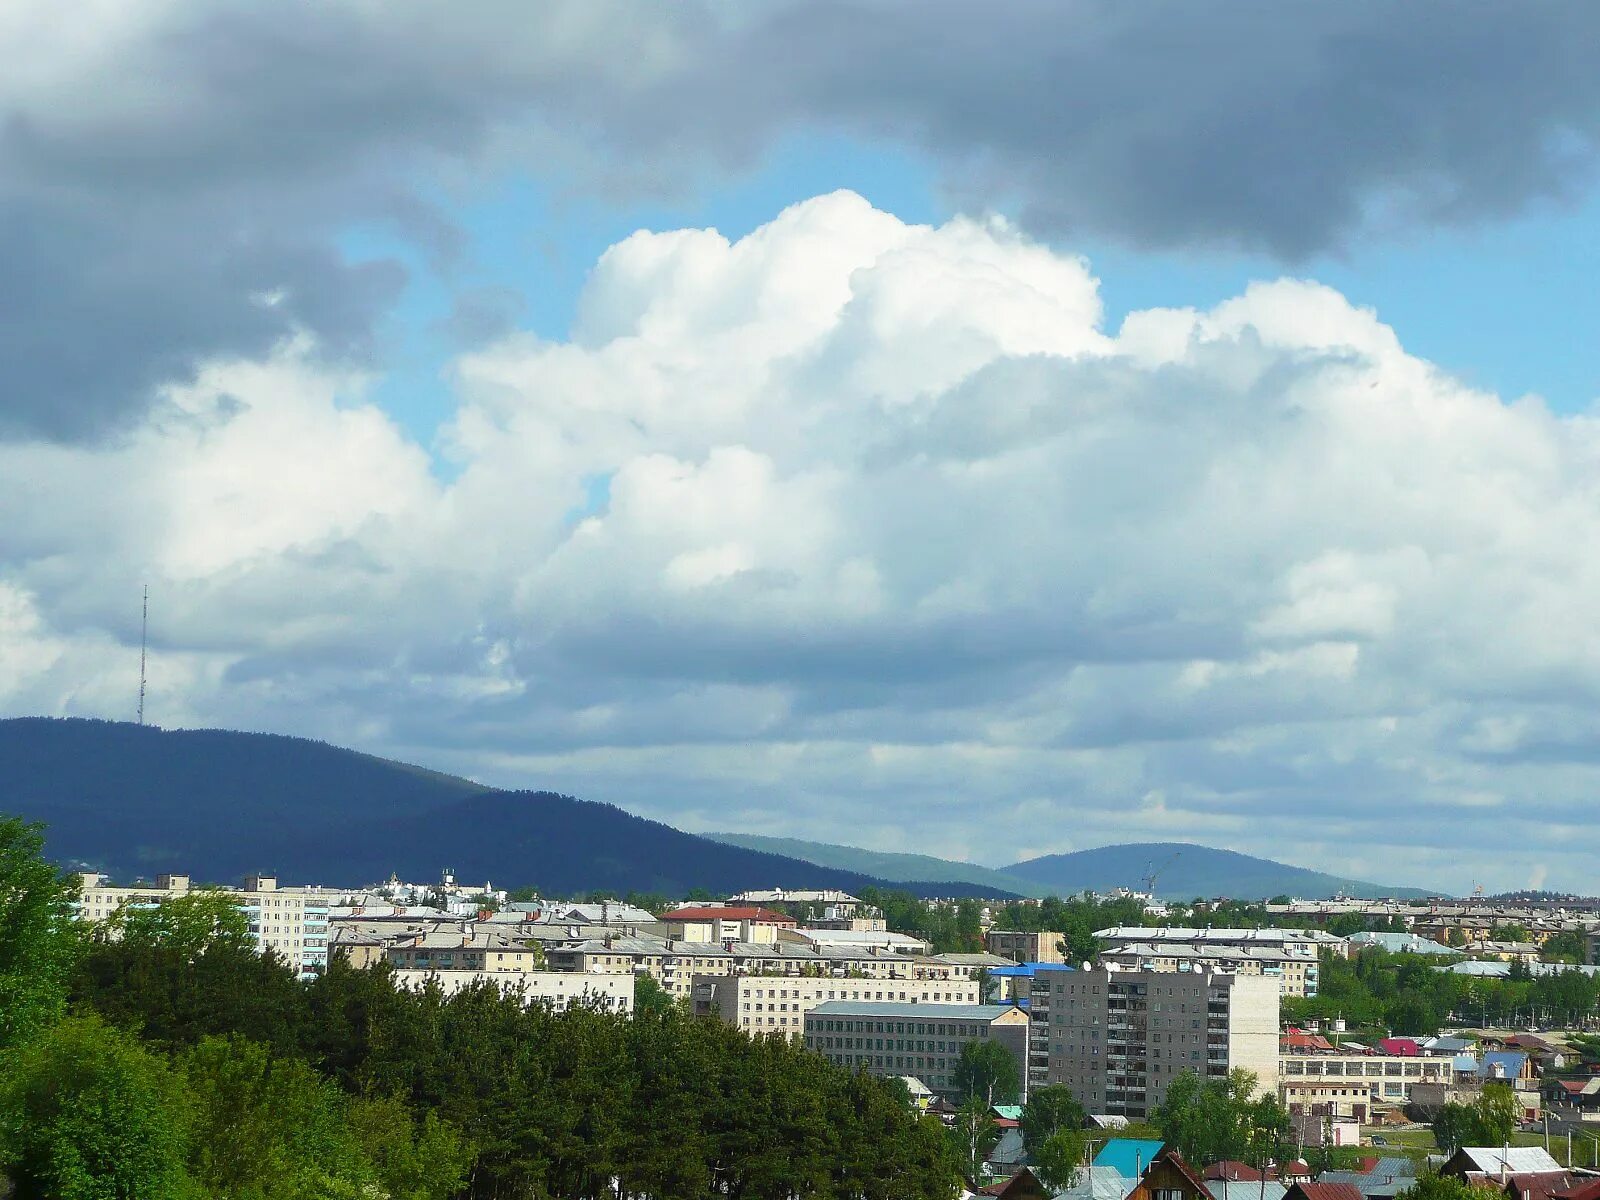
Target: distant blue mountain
<point x="135" y="800"/>
<point x="1186" y="870"/>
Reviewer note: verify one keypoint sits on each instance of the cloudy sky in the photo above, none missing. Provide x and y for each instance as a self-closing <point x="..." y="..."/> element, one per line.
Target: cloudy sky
<point x="981" y="430"/>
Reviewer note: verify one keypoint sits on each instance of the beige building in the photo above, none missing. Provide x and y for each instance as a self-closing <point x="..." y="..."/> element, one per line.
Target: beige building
<point x="473" y="949"/>
<point x="1350" y="1085"/>
<point x="778" y="1004"/>
<point x="923" y="1040"/>
<point x="1022" y="946"/>
<point x="292" y="922"/>
<point x="558" y="989"/>
<point x="1119" y="1038"/>
<point x="725" y="923"/>
<point x="676" y="964"/>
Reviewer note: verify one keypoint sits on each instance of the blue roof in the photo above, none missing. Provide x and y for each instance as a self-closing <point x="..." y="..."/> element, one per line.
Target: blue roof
<point x="1026" y="970"/>
<point x="1512" y="1061"/>
<point x="1127" y="1156"/>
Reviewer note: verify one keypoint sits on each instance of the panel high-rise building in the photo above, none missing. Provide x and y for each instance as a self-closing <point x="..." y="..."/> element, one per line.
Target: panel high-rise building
<point x="1118" y="1039"/>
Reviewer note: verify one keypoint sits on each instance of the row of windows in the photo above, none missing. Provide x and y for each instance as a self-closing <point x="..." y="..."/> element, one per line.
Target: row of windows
<point x="960" y="1029"/>
<point x="904" y="1045"/>
<point x="1413" y="1068"/>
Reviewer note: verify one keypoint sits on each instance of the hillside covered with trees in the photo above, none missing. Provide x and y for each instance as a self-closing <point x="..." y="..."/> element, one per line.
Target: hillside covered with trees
<point x="216" y="804"/>
<point x="174" y="1063"/>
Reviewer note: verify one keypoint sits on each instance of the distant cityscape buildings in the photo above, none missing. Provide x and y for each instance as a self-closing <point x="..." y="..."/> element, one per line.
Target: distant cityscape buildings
<point x="821" y="968"/>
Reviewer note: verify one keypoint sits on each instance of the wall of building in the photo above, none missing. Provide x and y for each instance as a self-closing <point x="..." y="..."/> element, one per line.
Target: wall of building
<point x="559" y="989"/>
<point x="1119" y="1038"/>
<point x="778" y="1004"/>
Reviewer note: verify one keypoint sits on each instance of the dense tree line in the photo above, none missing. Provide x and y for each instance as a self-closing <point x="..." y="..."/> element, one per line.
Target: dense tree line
<point x="950" y="928"/>
<point x="173" y="1061"/>
<point x="1406" y="994"/>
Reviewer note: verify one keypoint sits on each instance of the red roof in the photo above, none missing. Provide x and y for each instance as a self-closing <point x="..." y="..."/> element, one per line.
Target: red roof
<point x="1540" y="1185"/>
<point x="1589" y="1190"/>
<point x="1299" y="1039"/>
<point x="728" y="912"/>
<point x="1405" y="1047"/>
<point x="1231" y="1170"/>
<point x="1324" y="1191"/>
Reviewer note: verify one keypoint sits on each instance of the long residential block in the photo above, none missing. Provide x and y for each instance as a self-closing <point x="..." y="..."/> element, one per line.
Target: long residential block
<point x="922" y="1040"/>
<point x="778" y="1004"/>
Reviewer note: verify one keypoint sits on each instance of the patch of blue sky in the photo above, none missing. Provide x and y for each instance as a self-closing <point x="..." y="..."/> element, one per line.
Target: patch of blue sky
<point x="1508" y="306"/>
<point x="531" y="237"/>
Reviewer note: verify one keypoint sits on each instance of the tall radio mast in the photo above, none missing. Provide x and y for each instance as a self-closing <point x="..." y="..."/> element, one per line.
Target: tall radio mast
<point x="144" y="632"/>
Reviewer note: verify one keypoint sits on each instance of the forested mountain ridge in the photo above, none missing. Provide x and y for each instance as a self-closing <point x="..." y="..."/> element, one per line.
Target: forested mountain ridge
<point x="1185" y="870"/>
<point x="138" y="800"/>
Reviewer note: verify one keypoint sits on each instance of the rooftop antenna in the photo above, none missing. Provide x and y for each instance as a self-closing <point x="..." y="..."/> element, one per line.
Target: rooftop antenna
<point x="144" y="632"/>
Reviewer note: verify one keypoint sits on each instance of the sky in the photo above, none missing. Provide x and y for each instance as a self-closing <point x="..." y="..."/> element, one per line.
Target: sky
<point x="985" y="431"/>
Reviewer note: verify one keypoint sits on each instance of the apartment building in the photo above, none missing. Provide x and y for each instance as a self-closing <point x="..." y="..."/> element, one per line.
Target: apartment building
<point x="675" y="964"/>
<point x="557" y="989"/>
<point x="1338" y="1084"/>
<point x="725" y="923"/>
<point x="778" y="1004"/>
<point x="923" y="1040"/>
<point x="292" y="922"/>
<point x="830" y="903"/>
<point x="1306" y="943"/>
<point x="471" y="949"/>
<point x="1296" y="974"/>
<point x="1024" y="946"/>
<point x="1119" y="1038"/>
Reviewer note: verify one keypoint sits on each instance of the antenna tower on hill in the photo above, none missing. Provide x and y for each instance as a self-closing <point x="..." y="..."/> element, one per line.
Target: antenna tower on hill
<point x="144" y="633"/>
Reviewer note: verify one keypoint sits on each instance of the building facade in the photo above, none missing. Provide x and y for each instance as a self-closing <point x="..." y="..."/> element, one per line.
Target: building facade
<point x="1351" y="1085"/>
<point x="1023" y="946"/>
<point x="924" y="1040"/>
<point x="778" y="1004"/>
<point x="557" y="989"/>
<point x="472" y="949"/>
<point x="1119" y="1038"/>
<point x="292" y="922"/>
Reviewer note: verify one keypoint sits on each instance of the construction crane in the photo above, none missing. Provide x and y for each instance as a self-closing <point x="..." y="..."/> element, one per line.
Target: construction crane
<point x="1153" y="872"/>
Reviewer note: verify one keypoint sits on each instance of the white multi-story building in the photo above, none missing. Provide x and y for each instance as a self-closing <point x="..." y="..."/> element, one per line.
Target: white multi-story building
<point x="778" y="1003"/>
<point x="558" y="989"/>
<point x="922" y="1040"/>
<point x="1119" y="1038"/>
<point x="290" y="921"/>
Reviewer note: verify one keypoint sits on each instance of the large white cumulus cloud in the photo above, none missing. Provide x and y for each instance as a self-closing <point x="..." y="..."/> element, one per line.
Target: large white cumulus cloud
<point x="870" y="531"/>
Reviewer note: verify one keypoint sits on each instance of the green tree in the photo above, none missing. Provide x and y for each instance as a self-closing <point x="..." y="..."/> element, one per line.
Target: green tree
<point x="187" y="924"/>
<point x="1432" y="1186"/>
<point x="649" y="995"/>
<point x="976" y="1134"/>
<point x="1214" y="1119"/>
<point x="40" y="941"/>
<point x="1566" y="947"/>
<point x="1059" y="1158"/>
<point x="1490" y="1120"/>
<point x="1497" y="1115"/>
<point x="268" y="1129"/>
<point x="87" y="1114"/>
<point x="426" y="1159"/>
<point x="1050" y="1110"/>
<point x="1454" y="1126"/>
<point x="987" y="1071"/>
